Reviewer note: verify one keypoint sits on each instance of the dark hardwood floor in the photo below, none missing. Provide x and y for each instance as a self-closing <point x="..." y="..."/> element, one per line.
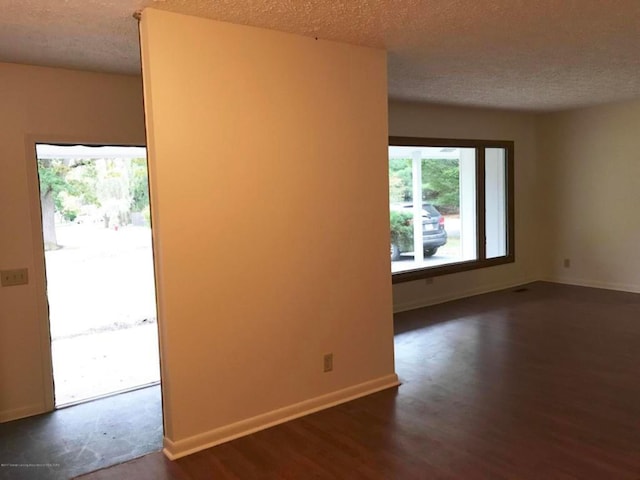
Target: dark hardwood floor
<point x="538" y="384"/>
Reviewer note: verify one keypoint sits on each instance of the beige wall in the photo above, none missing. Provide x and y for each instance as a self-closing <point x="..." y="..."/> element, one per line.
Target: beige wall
<point x="591" y="163"/>
<point x="413" y="120"/>
<point x="269" y="196"/>
<point x="44" y="104"/>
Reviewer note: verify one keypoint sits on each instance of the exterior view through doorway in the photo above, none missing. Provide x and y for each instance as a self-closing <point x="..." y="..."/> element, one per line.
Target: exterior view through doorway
<point x="99" y="270"/>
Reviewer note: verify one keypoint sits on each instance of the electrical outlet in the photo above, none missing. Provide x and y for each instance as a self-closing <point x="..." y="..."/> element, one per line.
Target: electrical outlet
<point x="567" y="263"/>
<point x="11" y="278"/>
<point x="328" y="362"/>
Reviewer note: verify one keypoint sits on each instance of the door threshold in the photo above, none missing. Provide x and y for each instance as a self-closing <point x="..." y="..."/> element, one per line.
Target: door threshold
<point x="106" y="395"/>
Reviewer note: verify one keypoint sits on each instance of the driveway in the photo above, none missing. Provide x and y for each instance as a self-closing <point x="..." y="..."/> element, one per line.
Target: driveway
<point x="100" y="279"/>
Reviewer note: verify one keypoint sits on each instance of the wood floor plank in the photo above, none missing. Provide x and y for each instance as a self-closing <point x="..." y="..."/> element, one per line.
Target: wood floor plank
<point x="540" y="384"/>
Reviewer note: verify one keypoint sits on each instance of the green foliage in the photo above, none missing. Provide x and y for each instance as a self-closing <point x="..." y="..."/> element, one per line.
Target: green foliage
<point x="400" y="188"/>
<point x="440" y="182"/>
<point x="139" y="185"/>
<point x="70" y="215"/>
<point x="57" y="179"/>
<point x="52" y="175"/>
<point x="402" y="229"/>
<point x="83" y="183"/>
<point x="114" y="187"/>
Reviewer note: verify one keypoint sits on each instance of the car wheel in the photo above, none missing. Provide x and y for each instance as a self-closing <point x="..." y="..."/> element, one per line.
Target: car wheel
<point x="430" y="252"/>
<point x="395" y="252"/>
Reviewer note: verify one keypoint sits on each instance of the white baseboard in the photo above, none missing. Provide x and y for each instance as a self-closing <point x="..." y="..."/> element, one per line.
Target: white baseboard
<point x="174" y="450"/>
<point x="621" y="287"/>
<point x="22" y="412"/>
<point x="426" y="302"/>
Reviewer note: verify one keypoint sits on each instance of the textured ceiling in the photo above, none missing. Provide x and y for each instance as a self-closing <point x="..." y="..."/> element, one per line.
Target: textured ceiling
<point x="517" y="54"/>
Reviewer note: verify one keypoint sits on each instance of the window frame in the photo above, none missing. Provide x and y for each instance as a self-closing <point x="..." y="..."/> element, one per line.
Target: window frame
<point x="481" y="261"/>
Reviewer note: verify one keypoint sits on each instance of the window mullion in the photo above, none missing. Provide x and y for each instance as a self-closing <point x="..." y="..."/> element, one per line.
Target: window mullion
<point x="510" y="203"/>
<point x="480" y="204"/>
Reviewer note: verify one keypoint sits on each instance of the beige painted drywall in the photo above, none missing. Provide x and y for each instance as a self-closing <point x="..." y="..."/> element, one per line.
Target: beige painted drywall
<point x="269" y="196"/>
<point x="415" y="120"/>
<point x="44" y="104"/>
<point x="591" y="163"/>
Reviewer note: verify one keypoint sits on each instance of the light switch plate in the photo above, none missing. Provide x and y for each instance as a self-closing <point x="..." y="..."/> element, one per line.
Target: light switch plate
<point x="12" y="278"/>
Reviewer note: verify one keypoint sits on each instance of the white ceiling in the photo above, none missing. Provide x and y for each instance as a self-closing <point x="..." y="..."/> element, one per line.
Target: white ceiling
<point x="534" y="55"/>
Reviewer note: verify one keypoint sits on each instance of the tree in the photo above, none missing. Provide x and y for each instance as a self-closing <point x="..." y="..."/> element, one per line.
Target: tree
<point x="115" y="187"/>
<point x="113" y="190"/>
<point x="400" y="187"/>
<point x="440" y="182"/>
<point x="56" y="180"/>
<point x="52" y="174"/>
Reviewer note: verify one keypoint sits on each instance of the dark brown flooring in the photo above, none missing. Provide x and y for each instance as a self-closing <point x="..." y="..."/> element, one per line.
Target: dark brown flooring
<point x="537" y="384"/>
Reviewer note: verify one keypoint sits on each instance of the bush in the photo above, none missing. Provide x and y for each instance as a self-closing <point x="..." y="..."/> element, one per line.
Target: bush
<point x="402" y="230"/>
<point x="69" y="215"/>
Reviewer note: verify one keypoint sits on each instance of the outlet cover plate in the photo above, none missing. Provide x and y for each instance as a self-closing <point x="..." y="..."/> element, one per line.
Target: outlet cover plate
<point x="11" y="278"/>
<point x="328" y="362"/>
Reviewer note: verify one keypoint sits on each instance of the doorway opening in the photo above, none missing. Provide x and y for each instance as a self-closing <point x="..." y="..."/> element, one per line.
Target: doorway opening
<point x="99" y="267"/>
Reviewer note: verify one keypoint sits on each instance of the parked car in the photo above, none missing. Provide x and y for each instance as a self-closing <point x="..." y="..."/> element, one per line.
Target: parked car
<point x="401" y="219"/>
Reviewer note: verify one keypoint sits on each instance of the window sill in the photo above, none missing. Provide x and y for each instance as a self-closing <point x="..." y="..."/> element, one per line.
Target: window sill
<point x="430" y="272"/>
